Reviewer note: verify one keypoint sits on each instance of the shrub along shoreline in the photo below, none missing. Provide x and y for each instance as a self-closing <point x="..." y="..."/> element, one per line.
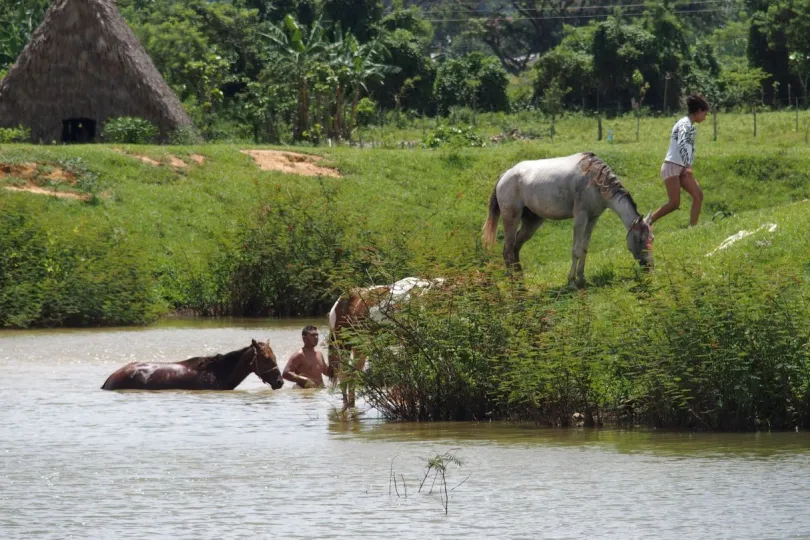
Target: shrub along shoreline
<point x="686" y="351"/>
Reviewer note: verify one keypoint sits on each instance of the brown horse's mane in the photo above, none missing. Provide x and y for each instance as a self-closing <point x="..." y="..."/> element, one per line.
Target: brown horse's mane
<point x="604" y="178"/>
<point x="219" y="364"/>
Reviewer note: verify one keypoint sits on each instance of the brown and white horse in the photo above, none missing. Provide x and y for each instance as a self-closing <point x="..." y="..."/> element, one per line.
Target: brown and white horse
<point x="219" y="372"/>
<point x="377" y="303"/>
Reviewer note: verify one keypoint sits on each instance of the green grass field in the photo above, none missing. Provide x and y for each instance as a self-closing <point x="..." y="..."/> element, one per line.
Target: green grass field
<point x="174" y="222"/>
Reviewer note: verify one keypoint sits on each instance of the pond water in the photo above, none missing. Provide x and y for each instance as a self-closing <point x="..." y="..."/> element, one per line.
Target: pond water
<point x="80" y="462"/>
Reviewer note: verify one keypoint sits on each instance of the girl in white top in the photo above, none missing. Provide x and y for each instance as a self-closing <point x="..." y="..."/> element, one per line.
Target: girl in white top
<point x="676" y="171"/>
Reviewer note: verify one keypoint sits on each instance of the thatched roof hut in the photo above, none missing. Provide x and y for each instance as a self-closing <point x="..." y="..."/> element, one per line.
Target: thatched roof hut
<point x="83" y="66"/>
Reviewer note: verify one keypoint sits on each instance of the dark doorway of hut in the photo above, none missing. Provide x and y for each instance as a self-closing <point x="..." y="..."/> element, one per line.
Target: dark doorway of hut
<point x="78" y="130"/>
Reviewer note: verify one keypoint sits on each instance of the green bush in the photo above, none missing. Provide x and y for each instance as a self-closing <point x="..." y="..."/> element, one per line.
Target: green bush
<point x="491" y="94"/>
<point x="727" y="355"/>
<point x="566" y="68"/>
<point x="14" y="135"/>
<point x="293" y="259"/>
<point x="129" y="130"/>
<point x="48" y="280"/>
<point x="184" y="135"/>
<point x="452" y="136"/>
<point x="722" y="355"/>
<point x="412" y="85"/>
<point x="366" y="111"/>
<point x="440" y="356"/>
<point x="475" y="80"/>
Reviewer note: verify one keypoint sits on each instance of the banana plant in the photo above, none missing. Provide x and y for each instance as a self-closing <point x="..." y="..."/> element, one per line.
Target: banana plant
<point x="299" y="50"/>
<point x="365" y="65"/>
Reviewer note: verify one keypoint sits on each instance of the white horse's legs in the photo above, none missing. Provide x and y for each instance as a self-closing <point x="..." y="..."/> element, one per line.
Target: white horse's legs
<point x="513" y="239"/>
<point x="509" y="215"/>
<point x="529" y="223"/>
<point x="586" y="242"/>
<point x="580" y="245"/>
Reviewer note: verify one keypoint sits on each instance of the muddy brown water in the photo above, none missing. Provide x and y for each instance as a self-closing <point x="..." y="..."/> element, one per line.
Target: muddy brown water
<point x="79" y="462"/>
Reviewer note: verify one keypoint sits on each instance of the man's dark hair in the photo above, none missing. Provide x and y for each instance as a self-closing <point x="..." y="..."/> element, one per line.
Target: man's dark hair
<point x="308" y="329"/>
<point x="695" y="103"/>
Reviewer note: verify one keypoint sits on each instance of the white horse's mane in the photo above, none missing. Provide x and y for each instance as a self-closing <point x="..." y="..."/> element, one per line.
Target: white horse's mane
<point x="603" y="177"/>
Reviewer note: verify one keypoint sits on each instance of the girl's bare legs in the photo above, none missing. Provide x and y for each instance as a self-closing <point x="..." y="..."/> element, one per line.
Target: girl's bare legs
<point x="690" y="185"/>
<point x="673" y="185"/>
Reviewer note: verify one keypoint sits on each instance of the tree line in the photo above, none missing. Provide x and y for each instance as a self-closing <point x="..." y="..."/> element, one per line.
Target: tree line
<point x="308" y="69"/>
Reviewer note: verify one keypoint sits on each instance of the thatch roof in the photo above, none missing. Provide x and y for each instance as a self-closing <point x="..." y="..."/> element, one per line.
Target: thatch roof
<point x="84" y="62"/>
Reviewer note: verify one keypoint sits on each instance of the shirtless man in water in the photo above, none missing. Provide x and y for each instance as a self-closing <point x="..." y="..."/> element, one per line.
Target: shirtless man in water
<point x="306" y="366"/>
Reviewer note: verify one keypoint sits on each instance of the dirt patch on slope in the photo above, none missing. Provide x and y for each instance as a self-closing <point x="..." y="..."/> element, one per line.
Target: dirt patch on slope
<point x="291" y="163"/>
<point x="30" y="188"/>
<point x="37" y="171"/>
<point x="170" y="159"/>
<point x="175" y="161"/>
<point x="36" y="174"/>
<point x="146" y="159"/>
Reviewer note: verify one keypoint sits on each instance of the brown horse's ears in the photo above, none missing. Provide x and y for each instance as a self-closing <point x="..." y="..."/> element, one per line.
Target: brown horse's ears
<point x="253" y="342"/>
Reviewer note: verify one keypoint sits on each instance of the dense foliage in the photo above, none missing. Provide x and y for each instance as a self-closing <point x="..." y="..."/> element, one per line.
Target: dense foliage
<point x="129" y="130"/>
<point x="11" y="135"/>
<point x="93" y="278"/>
<point x="730" y="354"/>
<point x="297" y="70"/>
<point x="291" y="260"/>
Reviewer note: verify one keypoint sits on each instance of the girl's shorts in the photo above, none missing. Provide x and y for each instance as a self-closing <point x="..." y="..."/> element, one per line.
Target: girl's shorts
<point x="669" y="169"/>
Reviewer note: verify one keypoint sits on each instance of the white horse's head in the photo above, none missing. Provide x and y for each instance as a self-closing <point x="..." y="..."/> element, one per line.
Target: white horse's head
<point x="640" y="241"/>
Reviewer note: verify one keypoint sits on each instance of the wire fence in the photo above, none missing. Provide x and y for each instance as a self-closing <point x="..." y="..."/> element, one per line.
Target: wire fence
<point x="403" y="130"/>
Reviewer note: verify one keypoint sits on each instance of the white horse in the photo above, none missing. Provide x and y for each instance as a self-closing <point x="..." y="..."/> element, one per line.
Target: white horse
<point x="580" y="186"/>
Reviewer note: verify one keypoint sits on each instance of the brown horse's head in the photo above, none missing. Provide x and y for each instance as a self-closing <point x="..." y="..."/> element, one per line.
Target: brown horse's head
<point x="265" y="366"/>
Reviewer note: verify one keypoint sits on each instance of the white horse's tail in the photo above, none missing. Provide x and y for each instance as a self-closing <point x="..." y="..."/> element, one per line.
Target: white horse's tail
<point x="491" y="225"/>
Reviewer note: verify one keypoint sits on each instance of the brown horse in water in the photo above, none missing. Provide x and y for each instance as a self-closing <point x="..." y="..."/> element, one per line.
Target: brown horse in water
<point x="219" y="372"/>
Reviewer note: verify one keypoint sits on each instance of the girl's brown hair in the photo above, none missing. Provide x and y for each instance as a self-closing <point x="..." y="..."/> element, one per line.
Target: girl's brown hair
<point x="695" y="103"/>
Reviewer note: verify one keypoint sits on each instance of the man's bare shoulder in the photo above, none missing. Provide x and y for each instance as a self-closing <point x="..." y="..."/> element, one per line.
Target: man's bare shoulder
<point x="295" y="357"/>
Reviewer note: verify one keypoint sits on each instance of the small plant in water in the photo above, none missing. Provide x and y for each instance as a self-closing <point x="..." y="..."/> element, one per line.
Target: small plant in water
<point x="438" y="465"/>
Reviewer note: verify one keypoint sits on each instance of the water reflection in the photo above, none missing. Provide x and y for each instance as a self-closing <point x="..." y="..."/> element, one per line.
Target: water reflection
<point x="658" y="442"/>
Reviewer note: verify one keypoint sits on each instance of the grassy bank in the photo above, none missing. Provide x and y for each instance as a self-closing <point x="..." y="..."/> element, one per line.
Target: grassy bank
<point x="713" y="342"/>
<point x="223" y="237"/>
